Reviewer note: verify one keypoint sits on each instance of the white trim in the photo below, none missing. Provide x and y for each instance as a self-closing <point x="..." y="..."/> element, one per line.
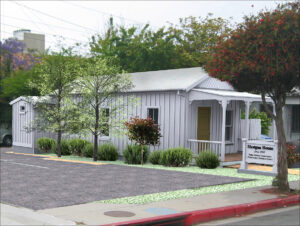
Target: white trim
<point x="154" y="107"/>
<point x="22" y="144"/>
<point x="205" y="77"/>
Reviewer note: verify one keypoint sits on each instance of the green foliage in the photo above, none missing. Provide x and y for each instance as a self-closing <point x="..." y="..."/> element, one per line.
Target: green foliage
<point x="132" y="154"/>
<point x="265" y="121"/>
<point x="108" y="152"/>
<point x="207" y="160"/>
<point x="77" y="145"/>
<point x="154" y="157"/>
<point x="88" y="150"/>
<point x="143" y="131"/>
<point x="46" y="144"/>
<point x="144" y="49"/>
<point x="176" y="157"/>
<point x="64" y="147"/>
<point x="17" y="85"/>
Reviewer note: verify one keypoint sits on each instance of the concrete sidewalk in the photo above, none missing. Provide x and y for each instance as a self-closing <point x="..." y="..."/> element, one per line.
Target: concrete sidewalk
<point x="11" y="215"/>
<point x="95" y="213"/>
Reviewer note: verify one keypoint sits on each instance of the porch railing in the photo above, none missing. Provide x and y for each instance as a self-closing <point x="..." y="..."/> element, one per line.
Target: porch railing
<point x="198" y="146"/>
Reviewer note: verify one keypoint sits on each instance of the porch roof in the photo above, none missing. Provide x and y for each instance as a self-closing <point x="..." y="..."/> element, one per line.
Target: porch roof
<point x="211" y="94"/>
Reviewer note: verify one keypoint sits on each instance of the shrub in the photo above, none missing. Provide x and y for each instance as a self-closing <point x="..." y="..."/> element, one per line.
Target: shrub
<point x="88" y="150"/>
<point x="208" y="160"/>
<point x="108" y="152"/>
<point x="77" y="146"/>
<point x="292" y="156"/>
<point x="154" y="157"/>
<point x="176" y="157"/>
<point x="132" y="154"/>
<point x="64" y="147"/>
<point x="46" y="144"/>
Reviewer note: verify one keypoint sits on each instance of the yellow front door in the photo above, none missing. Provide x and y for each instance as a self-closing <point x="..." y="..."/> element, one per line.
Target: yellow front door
<point x="203" y="130"/>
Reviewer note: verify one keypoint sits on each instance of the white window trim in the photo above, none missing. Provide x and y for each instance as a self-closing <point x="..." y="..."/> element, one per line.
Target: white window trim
<point x="22" y="112"/>
<point x="231" y="126"/>
<point x="155" y="107"/>
<point x="105" y="138"/>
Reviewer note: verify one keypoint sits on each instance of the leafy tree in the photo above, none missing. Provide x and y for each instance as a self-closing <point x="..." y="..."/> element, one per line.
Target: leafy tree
<point x="143" y="132"/>
<point x="197" y="37"/>
<point x="143" y="49"/>
<point x="262" y="56"/>
<point x="100" y="108"/>
<point x="57" y="111"/>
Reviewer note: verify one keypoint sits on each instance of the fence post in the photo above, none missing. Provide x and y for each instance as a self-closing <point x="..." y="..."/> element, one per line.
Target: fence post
<point x="244" y="165"/>
<point x="274" y="168"/>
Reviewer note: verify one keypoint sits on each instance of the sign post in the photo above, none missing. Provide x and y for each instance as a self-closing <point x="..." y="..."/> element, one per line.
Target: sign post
<point x="259" y="152"/>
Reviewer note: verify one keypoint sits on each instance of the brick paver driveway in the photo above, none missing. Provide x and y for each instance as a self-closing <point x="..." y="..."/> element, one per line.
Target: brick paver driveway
<point x="36" y="183"/>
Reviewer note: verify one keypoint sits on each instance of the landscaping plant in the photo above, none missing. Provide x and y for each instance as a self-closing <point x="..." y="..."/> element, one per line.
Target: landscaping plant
<point x="88" y="150"/>
<point x="176" y="157"/>
<point x="46" y="144"/>
<point x="143" y="132"/>
<point x="132" y="154"/>
<point x="292" y="156"/>
<point x="262" y="56"/>
<point x="154" y="157"/>
<point x="77" y="145"/>
<point x="108" y="152"/>
<point x="207" y="160"/>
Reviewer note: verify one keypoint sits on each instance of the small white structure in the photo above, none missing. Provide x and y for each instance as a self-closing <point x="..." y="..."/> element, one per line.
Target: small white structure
<point x="193" y="110"/>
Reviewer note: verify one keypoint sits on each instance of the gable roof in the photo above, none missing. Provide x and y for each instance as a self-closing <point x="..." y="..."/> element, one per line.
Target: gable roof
<point x="175" y="79"/>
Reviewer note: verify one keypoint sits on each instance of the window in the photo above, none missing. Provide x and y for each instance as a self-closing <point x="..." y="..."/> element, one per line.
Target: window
<point x="296" y="118"/>
<point x="153" y="113"/>
<point x="22" y="109"/>
<point x="228" y="126"/>
<point x="104" y="126"/>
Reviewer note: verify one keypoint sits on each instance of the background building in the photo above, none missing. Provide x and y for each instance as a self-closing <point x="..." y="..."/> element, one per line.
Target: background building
<point x="34" y="42"/>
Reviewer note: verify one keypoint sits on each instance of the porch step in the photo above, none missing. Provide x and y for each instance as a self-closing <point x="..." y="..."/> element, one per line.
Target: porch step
<point x="230" y="163"/>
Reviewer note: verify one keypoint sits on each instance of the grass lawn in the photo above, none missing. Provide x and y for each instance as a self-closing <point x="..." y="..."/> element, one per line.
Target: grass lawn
<point x="142" y="199"/>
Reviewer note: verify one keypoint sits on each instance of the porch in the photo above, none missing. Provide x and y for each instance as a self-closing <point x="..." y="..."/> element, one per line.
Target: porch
<point x="219" y="130"/>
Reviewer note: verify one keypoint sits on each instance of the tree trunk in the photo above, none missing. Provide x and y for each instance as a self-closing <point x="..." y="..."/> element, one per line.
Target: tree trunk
<point x="142" y="154"/>
<point x="282" y="176"/>
<point x="96" y="131"/>
<point x="58" y="143"/>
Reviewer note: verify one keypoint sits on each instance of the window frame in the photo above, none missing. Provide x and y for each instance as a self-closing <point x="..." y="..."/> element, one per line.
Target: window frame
<point x="22" y="111"/>
<point x="158" y="112"/>
<point x="230" y="140"/>
<point x="293" y="129"/>
<point x="105" y="137"/>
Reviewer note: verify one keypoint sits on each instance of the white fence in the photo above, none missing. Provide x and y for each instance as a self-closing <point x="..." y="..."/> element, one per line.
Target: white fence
<point x="254" y="129"/>
<point x="205" y="145"/>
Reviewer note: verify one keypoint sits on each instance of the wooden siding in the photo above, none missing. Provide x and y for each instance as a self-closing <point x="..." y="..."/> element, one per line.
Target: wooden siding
<point x="216" y="122"/>
<point x="19" y="120"/>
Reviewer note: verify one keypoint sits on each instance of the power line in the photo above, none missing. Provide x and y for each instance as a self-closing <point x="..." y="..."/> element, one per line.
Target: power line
<point x="54" y="17"/>
<point x="66" y="28"/>
<point x="45" y="33"/>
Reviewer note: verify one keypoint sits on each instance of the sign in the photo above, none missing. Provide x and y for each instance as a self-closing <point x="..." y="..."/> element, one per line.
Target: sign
<point x="259" y="152"/>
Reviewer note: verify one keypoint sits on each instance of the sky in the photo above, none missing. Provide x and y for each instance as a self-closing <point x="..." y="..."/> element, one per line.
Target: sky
<point x="76" y="21"/>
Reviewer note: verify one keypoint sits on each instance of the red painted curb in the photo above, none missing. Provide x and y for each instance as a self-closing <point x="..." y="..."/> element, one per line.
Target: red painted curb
<point x="200" y="216"/>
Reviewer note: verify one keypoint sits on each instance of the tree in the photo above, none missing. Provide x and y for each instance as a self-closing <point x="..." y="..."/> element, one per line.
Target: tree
<point x="143" y="131"/>
<point x="262" y="56"/>
<point x="143" y="49"/>
<point x="101" y="110"/>
<point x="57" y="110"/>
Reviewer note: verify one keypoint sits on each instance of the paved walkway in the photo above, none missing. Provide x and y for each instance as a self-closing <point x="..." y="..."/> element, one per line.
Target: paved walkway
<point x="94" y="213"/>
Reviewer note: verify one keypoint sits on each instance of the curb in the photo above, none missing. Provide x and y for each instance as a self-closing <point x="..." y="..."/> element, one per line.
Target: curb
<point x="200" y="216"/>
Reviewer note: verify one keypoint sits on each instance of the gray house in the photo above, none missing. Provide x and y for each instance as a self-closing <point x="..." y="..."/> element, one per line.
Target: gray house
<point x="193" y="110"/>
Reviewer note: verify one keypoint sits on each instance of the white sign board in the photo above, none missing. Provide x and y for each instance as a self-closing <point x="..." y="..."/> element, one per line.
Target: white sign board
<point x="259" y="152"/>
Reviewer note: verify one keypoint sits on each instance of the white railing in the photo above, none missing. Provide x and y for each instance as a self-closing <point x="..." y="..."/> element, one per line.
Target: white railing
<point x="205" y="145"/>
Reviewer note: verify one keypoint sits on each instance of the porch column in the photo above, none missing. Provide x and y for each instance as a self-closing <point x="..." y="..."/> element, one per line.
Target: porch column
<point x="247" y="107"/>
<point x="224" y="106"/>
